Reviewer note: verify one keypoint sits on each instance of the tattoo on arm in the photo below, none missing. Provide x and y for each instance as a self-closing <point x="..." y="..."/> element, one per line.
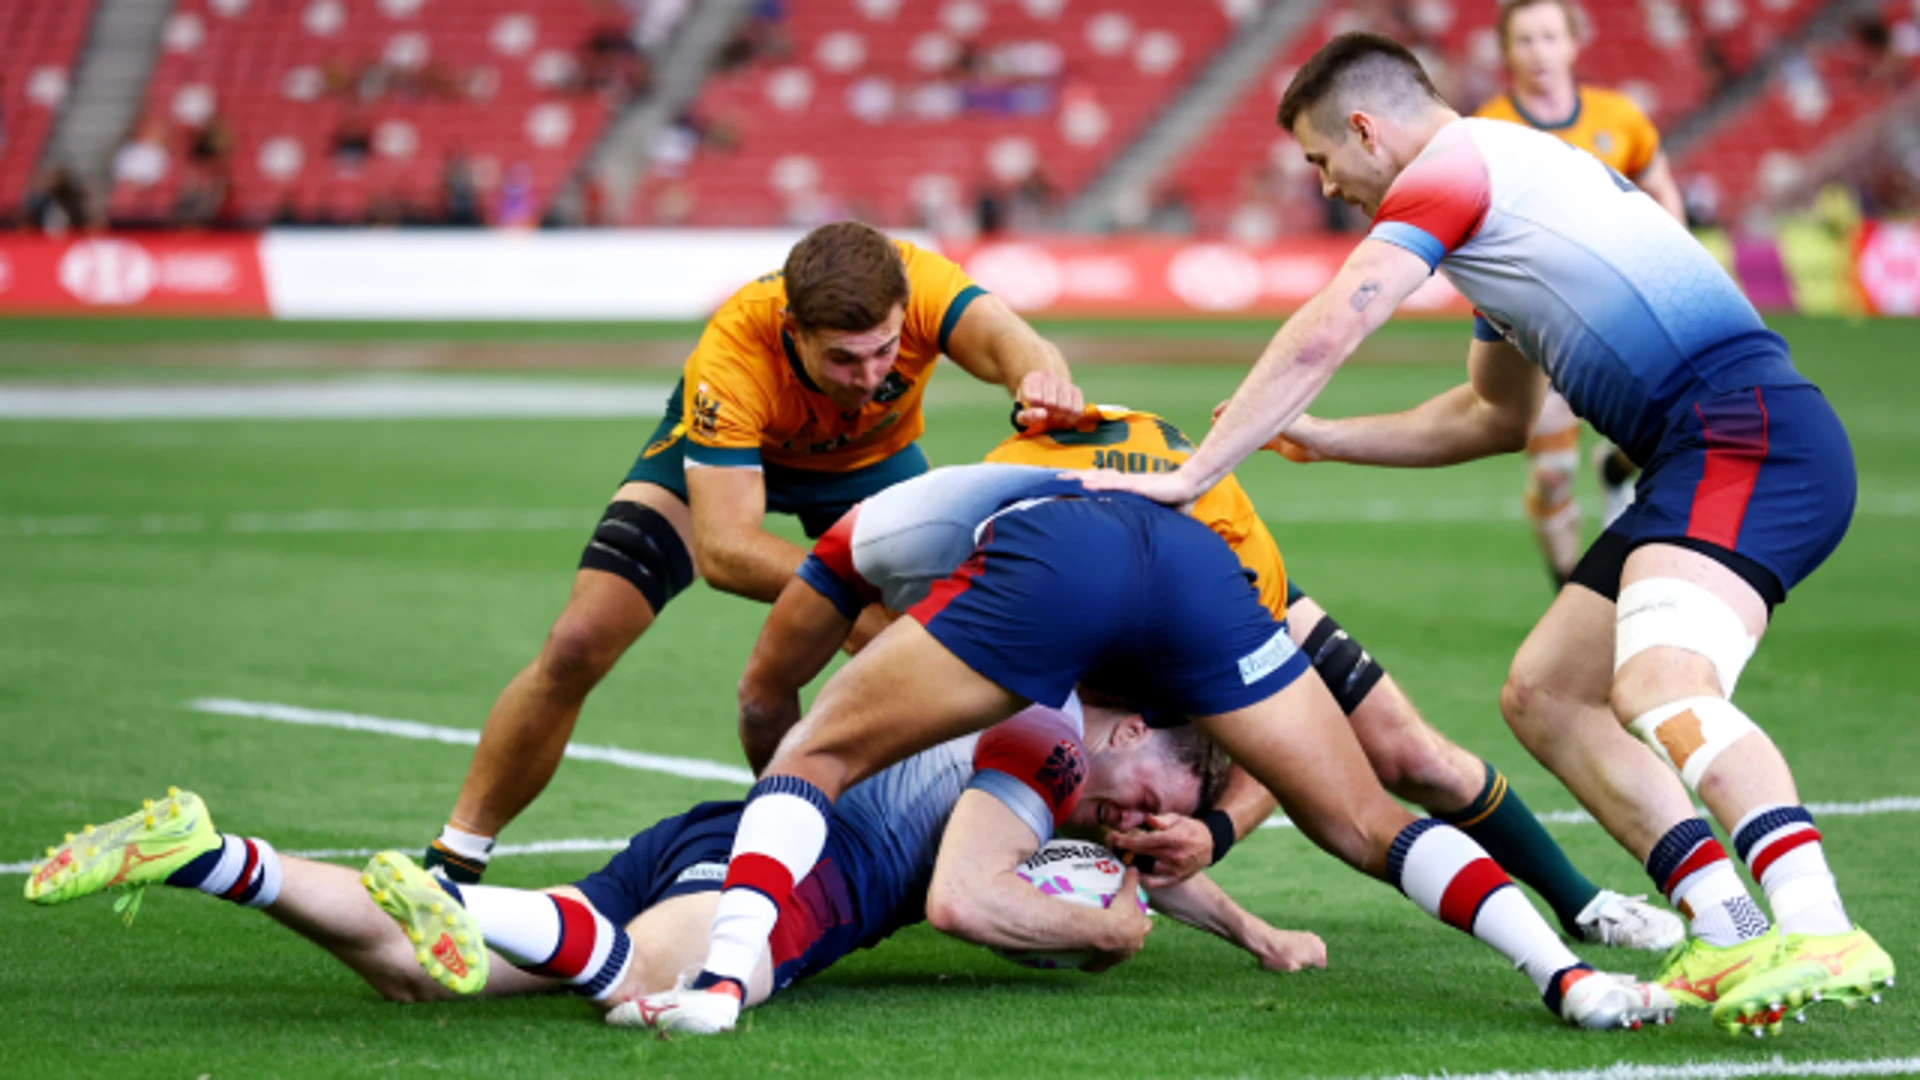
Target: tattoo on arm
<point x="1364" y="295"/>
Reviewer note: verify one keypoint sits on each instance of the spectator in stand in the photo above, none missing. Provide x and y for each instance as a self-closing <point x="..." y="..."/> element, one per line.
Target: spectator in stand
<point x="57" y="203"/>
<point x="202" y="201"/>
<point x="611" y="59"/>
<point x="655" y="23"/>
<point x="459" y="191"/>
<point x="989" y="211"/>
<point x="141" y="162"/>
<point x="1171" y="214"/>
<point x="352" y="140"/>
<point x="516" y="208"/>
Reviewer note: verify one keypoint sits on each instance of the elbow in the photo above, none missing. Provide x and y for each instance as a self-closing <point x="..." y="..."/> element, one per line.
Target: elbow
<point x="949" y="912"/>
<point x="765" y="717"/>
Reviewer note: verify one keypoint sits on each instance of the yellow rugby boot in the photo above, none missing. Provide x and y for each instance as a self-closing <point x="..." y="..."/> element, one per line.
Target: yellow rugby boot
<point x="1807" y="968"/>
<point x="446" y="940"/>
<point x="144" y="848"/>
<point x="1699" y="975"/>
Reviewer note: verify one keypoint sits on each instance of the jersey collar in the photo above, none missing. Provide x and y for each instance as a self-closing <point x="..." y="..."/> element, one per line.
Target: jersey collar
<point x="1579" y="102"/>
<point x="793" y="361"/>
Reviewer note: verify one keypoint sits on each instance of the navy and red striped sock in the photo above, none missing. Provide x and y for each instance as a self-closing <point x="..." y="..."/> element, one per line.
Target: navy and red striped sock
<point x="1453" y="879"/>
<point x="1782" y="848"/>
<point x="1692" y="871"/>
<point x="243" y="869"/>
<point x="555" y="937"/>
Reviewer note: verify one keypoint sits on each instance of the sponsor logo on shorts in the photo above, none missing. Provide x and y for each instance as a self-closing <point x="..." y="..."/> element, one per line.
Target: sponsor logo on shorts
<point x="715" y="872"/>
<point x="1267" y="659"/>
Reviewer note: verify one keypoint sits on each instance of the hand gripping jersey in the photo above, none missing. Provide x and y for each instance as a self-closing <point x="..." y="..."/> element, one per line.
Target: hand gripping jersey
<point x="747" y="398"/>
<point x="1626" y="313"/>
<point x="1605" y="123"/>
<point x="1127" y="440"/>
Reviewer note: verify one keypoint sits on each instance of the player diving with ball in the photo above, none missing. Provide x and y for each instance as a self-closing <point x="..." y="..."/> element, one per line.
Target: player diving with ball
<point x="1017" y="586"/>
<point x="1624" y="689"/>
<point x="938" y="836"/>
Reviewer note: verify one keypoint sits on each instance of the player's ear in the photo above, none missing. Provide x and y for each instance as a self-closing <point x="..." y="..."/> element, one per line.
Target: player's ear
<point x="1366" y="127"/>
<point x="1130" y="732"/>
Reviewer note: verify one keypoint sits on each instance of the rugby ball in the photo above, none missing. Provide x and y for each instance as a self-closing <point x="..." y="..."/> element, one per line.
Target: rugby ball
<point x="1078" y="872"/>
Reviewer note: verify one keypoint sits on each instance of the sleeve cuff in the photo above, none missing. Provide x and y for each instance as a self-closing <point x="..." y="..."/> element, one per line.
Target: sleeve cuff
<point x="1019" y="798"/>
<point x="956" y="308"/>
<point x="1413" y="238"/>
<point x="1484" y="330"/>
<point x="726" y="457"/>
<point x="842" y="593"/>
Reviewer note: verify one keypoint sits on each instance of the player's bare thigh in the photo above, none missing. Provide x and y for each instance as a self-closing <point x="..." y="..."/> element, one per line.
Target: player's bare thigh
<point x="670" y="938"/>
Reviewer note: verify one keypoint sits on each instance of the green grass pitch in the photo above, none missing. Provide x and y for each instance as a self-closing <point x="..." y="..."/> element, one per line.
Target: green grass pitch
<point x="104" y="635"/>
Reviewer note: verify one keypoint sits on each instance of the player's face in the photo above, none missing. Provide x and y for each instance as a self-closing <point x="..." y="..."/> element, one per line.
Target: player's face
<point x="1540" y="48"/>
<point x="1124" y="785"/>
<point x="1356" y="169"/>
<point x="849" y="366"/>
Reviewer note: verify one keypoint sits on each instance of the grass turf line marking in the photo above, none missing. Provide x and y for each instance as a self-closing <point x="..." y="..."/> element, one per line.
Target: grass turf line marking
<point x="691" y="768"/>
<point x="1699" y="1070"/>
<point x="371" y="397"/>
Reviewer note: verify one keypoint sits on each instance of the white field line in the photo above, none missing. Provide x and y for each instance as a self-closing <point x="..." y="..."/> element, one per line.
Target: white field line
<point x="1700" y="1070"/>
<point x="501" y="519"/>
<point x="691" y="768"/>
<point x="373" y="397"/>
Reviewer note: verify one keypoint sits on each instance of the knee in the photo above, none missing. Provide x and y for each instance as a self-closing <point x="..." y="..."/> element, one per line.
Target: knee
<point x="1412" y="767"/>
<point x="1524" y="701"/>
<point x="578" y="654"/>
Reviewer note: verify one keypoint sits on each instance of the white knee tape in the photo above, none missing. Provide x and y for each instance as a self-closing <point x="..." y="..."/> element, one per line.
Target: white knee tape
<point x="1667" y="611"/>
<point x="1688" y="734"/>
<point x="1561" y="461"/>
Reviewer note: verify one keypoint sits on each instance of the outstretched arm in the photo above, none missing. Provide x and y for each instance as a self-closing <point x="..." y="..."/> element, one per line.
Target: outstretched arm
<point x="801" y="635"/>
<point x="1203" y="905"/>
<point x="996" y="345"/>
<point x="1296" y="365"/>
<point x="1491" y="414"/>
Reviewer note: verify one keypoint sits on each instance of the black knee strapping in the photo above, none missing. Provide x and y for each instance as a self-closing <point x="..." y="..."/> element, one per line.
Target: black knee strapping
<point x="1347" y="669"/>
<point x="637" y="543"/>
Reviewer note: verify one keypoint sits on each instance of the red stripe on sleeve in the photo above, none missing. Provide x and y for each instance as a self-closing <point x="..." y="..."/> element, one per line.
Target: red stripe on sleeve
<point x="1780" y="847"/>
<point x="1736" y="448"/>
<point x="1468" y="890"/>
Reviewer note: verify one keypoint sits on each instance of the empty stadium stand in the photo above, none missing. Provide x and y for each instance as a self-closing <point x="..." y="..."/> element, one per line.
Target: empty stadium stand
<point x="39" y="44"/>
<point x="894" y="110"/>
<point x="341" y="109"/>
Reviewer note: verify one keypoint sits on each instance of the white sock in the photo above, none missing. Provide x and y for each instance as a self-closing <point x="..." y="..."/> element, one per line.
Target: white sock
<point x="557" y="937"/>
<point x="1781" y="846"/>
<point x="1453" y="879"/>
<point x="243" y="869"/>
<point x="782" y="831"/>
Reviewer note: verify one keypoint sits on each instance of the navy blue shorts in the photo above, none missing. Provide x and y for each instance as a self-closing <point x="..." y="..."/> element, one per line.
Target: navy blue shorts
<point x="818" y="924"/>
<point x="1133" y="597"/>
<point x="1761" y="479"/>
<point x="817" y="498"/>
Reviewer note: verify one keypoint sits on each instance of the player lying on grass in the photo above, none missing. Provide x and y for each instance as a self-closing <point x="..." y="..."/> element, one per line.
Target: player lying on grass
<point x="1411" y="759"/>
<point x="939" y="834"/>
<point x="803" y="397"/>
<point x="1017" y="586"/>
<point x="1624" y="688"/>
<point x="1540" y="45"/>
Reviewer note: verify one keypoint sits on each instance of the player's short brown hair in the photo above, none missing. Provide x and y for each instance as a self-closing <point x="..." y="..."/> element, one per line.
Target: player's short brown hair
<point x="844" y="276"/>
<point x="1354" y="65"/>
<point x="1192" y="750"/>
<point x="1576" y="18"/>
